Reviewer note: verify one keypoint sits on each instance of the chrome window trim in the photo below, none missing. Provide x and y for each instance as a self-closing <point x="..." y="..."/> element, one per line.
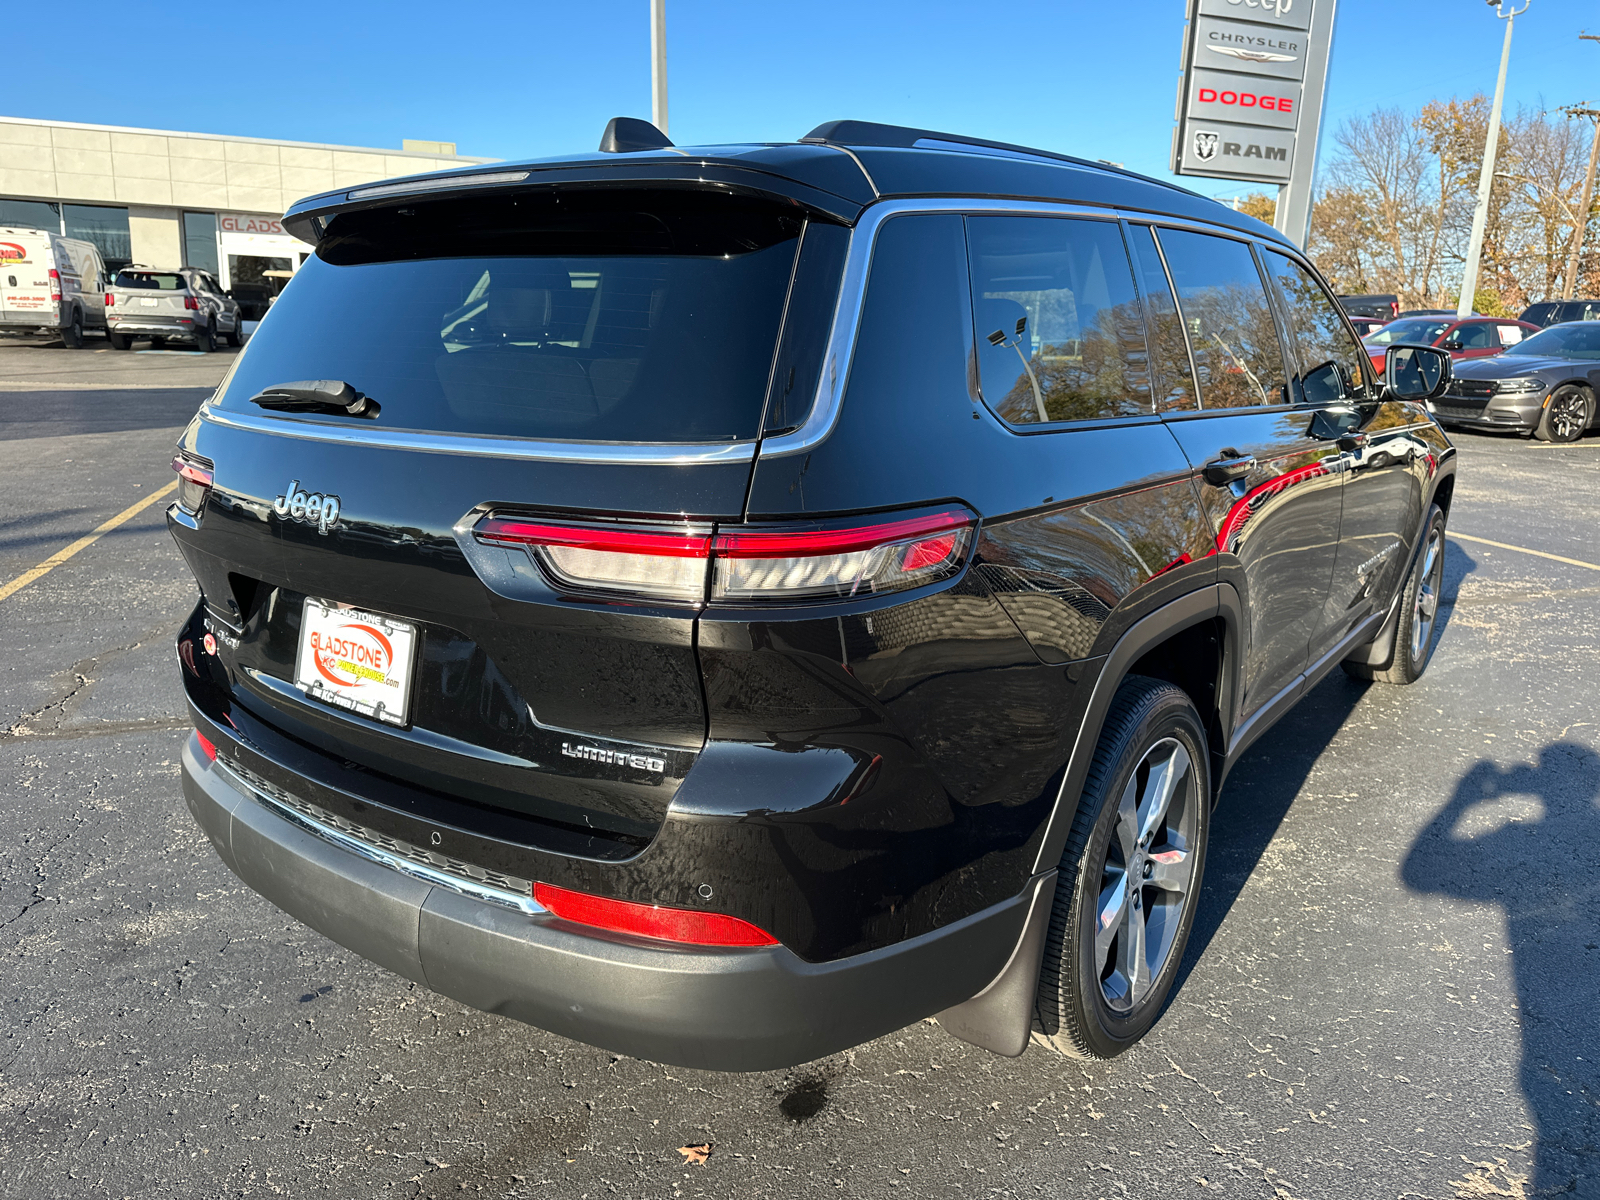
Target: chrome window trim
<point x="824" y="414"/>
<point x="646" y="454"/>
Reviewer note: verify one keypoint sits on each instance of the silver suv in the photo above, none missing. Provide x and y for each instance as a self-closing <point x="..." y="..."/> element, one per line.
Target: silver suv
<point x="185" y="303"/>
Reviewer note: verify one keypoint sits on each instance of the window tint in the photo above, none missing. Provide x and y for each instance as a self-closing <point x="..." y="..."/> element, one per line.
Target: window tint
<point x="1329" y="358"/>
<point x="1539" y="314"/>
<point x="1231" y="327"/>
<point x="609" y="315"/>
<point x="1060" y="333"/>
<point x="1171" y="380"/>
<point x="1475" y="337"/>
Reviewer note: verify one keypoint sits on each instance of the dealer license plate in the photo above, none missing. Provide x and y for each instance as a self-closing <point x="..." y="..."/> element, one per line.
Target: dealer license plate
<point x="356" y="660"/>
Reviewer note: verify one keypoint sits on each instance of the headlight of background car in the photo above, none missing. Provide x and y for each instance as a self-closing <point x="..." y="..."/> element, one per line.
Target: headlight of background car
<point x="1519" y="385"/>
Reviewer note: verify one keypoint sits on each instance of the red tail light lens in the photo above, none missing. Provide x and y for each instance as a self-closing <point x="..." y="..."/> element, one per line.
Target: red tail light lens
<point x="55" y="285"/>
<point x="865" y="560"/>
<point x="191" y="304"/>
<point x="681" y="925"/>
<point x="110" y="300"/>
<point x="669" y="564"/>
<point x="194" y="482"/>
<point x="207" y="746"/>
<point x="743" y="564"/>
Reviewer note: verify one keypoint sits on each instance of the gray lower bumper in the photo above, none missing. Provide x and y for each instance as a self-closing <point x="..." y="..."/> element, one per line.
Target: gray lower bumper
<point x="731" y="1010"/>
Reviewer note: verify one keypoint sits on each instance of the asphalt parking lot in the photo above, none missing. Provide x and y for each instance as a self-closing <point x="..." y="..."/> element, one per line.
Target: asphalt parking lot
<point x="1390" y="990"/>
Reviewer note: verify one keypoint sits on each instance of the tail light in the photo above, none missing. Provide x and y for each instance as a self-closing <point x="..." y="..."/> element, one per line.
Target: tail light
<point x="194" y="482"/>
<point x="207" y="746"/>
<point x="742" y="565"/>
<point x="110" y="300"/>
<point x="191" y="304"/>
<point x="682" y="925"/>
<point x="55" y="285"/>
<point x="1394" y="308"/>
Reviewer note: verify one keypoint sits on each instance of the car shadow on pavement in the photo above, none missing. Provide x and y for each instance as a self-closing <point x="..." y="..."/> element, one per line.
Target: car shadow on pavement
<point x="1526" y="837"/>
<point x="62" y="412"/>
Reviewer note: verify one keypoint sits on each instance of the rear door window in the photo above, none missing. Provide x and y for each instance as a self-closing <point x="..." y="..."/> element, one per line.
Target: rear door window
<point x="1475" y="335"/>
<point x="1232" y="331"/>
<point x="1171" y="380"/>
<point x="1329" y="358"/>
<point x="604" y="315"/>
<point x="1060" y="334"/>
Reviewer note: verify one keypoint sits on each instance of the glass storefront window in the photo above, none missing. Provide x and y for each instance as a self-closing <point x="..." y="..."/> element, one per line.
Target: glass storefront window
<point x="31" y="214"/>
<point x="200" y="241"/>
<point x="106" y="227"/>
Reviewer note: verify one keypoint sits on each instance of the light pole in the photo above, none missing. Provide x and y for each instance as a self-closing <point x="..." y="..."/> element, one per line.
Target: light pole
<point x="1480" y="214"/>
<point x="658" y="64"/>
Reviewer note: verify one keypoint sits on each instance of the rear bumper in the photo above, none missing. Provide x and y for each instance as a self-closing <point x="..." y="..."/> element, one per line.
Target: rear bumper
<point x="168" y="328"/>
<point x="732" y="1010"/>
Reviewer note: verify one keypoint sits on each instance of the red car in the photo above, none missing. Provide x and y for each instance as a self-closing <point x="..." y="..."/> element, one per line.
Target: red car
<point x="1468" y="337"/>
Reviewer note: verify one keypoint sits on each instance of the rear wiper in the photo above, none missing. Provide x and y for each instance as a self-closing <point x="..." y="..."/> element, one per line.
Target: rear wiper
<point x="317" y="395"/>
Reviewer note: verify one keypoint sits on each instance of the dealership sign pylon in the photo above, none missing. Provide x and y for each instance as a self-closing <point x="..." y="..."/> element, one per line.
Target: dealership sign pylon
<point x="1250" y="97"/>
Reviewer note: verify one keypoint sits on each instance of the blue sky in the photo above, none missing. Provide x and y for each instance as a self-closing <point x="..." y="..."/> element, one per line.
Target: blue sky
<point x="1096" y="78"/>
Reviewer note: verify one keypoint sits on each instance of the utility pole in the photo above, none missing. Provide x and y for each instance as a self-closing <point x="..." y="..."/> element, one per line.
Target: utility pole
<point x="658" y="64"/>
<point x="1581" y="222"/>
<point x="1480" y="214"/>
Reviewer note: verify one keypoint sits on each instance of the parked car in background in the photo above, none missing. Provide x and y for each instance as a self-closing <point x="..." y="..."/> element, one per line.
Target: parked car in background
<point x="1473" y="337"/>
<point x="1385" y="307"/>
<point x="1559" y="312"/>
<point x="568" y="643"/>
<point x="1543" y="387"/>
<point x="1433" y="312"/>
<point x="186" y="303"/>
<point x="50" y="284"/>
<point x="1366" y="325"/>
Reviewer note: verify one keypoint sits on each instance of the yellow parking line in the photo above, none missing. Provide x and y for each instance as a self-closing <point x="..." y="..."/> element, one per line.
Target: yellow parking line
<point x="1571" y="562"/>
<point x="61" y="556"/>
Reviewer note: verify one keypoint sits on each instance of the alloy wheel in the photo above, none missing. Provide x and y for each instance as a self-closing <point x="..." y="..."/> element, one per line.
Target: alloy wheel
<point x="1148" y="876"/>
<point x="1569" y="415"/>
<point x="1426" y="607"/>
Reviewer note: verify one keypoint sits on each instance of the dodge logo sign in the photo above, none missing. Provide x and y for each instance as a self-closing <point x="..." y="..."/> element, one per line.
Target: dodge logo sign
<point x="1205" y="145"/>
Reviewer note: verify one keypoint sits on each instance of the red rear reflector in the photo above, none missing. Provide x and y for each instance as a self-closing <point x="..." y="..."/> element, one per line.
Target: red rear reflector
<point x="110" y="300"/>
<point x="681" y="925"/>
<point x="207" y="746"/>
<point x="191" y="303"/>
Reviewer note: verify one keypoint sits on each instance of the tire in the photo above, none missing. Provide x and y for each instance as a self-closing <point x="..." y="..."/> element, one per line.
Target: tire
<point x="158" y="343"/>
<point x="205" y="340"/>
<point x="1567" y="414"/>
<point x="236" y="335"/>
<point x="1094" y="999"/>
<point x="72" y="335"/>
<point x="1416" y="633"/>
<point x="120" y="341"/>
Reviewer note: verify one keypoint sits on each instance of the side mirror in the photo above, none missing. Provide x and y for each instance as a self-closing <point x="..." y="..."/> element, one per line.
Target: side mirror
<point x="1453" y="344"/>
<point x="1416" y="372"/>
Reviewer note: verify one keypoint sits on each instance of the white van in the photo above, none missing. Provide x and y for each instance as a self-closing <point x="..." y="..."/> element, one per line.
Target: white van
<point x="50" y="284"/>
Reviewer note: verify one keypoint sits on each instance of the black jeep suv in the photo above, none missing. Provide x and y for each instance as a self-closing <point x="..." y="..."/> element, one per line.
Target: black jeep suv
<point x="726" y="605"/>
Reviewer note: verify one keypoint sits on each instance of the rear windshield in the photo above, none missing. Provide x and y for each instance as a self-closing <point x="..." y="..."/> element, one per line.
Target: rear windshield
<point x="618" y="315"/>
<point x="164" y="281"/>
<point x="1417" y="329"/>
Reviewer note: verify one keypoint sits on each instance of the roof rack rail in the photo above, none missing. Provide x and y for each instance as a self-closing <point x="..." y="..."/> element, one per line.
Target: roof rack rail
<point x="870" y="133"/>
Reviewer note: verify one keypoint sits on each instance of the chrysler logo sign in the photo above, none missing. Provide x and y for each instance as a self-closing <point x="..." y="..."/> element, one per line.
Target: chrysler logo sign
<point x="1257" y="56"/>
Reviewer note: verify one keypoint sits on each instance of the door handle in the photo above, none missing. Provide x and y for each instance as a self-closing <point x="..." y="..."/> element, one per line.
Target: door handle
<point x="1231" y="465"/>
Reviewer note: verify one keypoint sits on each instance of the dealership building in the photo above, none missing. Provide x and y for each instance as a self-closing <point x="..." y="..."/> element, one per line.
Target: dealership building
<point x="169" y="199"/>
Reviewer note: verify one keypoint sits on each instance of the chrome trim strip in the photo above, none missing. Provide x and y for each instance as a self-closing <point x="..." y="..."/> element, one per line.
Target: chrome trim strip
<point x="437" y="185"/>
<point x="824" y="414"/>
<point x="647" y="454"/>
<point x="405" y="866"/>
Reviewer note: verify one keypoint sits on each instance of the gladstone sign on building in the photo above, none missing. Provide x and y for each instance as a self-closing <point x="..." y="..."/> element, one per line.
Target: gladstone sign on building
<point x="1241" y="107"/>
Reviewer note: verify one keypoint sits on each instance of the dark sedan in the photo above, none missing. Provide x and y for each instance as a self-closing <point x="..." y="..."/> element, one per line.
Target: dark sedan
<point x="1544" y="386"/>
